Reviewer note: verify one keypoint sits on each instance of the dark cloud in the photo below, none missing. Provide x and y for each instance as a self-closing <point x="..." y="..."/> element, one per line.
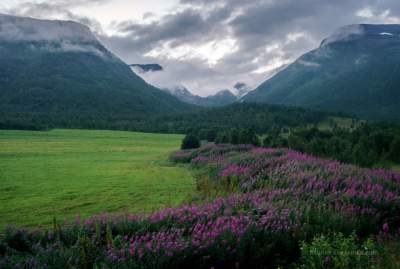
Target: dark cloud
<point x="239" y="85"/>
<point x="187" y="26"/>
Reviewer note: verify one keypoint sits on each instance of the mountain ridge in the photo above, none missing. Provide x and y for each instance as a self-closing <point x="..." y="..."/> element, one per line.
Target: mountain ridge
<point x="355" y="70"/>
<point x="69" y="73"/>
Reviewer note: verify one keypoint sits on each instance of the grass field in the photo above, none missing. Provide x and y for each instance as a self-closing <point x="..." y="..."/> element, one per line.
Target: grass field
<point x="396" y="168"/>
<point x="64" y="173"/>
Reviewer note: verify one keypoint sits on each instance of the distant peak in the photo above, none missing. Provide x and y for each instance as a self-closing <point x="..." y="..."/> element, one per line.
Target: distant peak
<point x="224" y="92"/>
<point x="180" y="90"/>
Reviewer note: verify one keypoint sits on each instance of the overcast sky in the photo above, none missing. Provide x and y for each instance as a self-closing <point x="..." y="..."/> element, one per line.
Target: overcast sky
<point x="209" y="45"/>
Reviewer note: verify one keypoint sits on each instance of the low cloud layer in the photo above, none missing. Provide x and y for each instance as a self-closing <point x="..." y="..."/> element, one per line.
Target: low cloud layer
<point x="17" y="28"/>
<point x="211" y="45"/>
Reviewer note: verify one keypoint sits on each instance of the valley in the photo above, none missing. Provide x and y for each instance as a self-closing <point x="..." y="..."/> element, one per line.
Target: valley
<point x="236" y="149"/>
<point x="66" y="173"/>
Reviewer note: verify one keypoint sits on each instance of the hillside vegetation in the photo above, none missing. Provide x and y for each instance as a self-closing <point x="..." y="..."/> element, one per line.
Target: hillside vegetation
<point x="356" y="70"/>
<point x="57" y="73"/>
<point x="259" y="117"/>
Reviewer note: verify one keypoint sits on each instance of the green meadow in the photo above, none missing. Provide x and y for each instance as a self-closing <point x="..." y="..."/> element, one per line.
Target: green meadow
<point x="397" y="168"/>
<point x="65" y="173"/>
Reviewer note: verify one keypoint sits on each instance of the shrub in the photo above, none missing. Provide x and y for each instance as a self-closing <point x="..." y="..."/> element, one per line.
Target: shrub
<point x="394" y="152"/>
<point x="190" y="142"/>
<point x="364" y="152"/>
<point x="339" y="251"/>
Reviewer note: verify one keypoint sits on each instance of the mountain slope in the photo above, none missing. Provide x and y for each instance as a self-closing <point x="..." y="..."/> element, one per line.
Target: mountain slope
<point x="60" y="68"/>
<point x="356" y="70"/>
<point x="221" y="98"/>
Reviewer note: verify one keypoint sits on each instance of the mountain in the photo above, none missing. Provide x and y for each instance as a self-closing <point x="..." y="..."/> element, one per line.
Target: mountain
<point x="144" y="68"/>
<point x="59" y="70"/>
<point x="221" y="98"/>
<point x="356" y="70"/>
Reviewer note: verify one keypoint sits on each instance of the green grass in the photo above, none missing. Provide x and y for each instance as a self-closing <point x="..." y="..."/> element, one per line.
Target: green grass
<point x="396" y="168"/>
<point x="63" y="173"/>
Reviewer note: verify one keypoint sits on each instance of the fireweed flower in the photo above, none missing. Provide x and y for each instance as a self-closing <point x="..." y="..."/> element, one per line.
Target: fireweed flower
<point x="234" y="170"/>
<point x="281" y="196"/>
<point x="385" y="228"/>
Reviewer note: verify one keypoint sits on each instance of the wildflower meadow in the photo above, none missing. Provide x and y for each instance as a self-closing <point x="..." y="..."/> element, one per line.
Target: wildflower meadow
<point x="261" y="208"/>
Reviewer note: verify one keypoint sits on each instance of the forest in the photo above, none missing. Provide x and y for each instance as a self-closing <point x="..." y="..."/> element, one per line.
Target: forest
<point x="260" y="117"/>
<point x="368" y="145"/>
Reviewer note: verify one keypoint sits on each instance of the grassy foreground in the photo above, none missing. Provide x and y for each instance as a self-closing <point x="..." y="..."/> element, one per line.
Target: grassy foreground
<point x="63" y="173"/>
<point x="397" y="168"/>
<point x="274" y="208"/>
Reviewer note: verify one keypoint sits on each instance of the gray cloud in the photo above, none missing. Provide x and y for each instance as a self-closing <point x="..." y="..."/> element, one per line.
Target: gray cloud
<point x="254" y="39"/>
<point x="23" y="28"/>
<point x="269" y="34"/>
<point x="59" y="9"/>
<point x="184" y="27"/>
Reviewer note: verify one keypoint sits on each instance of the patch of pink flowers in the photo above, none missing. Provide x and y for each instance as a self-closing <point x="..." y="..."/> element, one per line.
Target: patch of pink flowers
<point x="234" y="170"/>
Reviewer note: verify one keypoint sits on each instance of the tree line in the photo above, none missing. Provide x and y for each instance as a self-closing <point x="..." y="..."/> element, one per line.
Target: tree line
<point x="259" y="117"/>
<point x="370" y="144"/>
<point x="234" y="136"/>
